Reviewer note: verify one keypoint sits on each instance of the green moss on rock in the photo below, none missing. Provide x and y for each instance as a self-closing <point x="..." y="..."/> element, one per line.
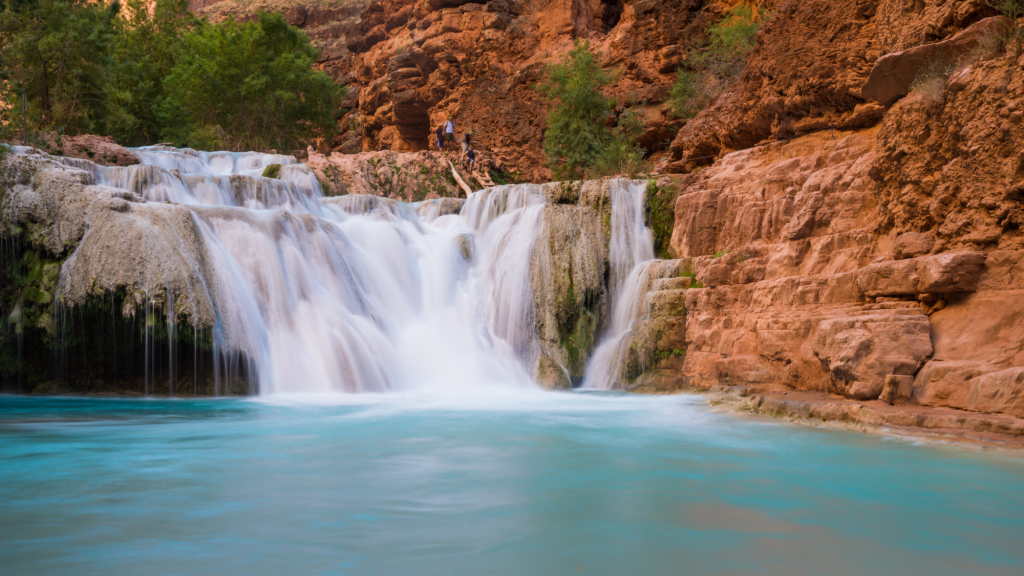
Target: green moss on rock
<point x="272" y="171"/>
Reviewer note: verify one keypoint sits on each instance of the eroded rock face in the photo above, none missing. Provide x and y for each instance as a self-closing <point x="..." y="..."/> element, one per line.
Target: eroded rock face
<point x="810" y="66"/>
<point x="418" y="62"/>
<point x="409" y="64"/>
<point x="805" y="74"/>
<point x="804" y="281"/>
<point x="893" y="74"/>
<point x="859" y="352"/>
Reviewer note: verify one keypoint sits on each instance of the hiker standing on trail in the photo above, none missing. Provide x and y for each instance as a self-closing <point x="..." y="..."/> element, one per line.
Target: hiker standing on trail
<point x="471" y="156"/>
<point x="449" y="131"/>
<point x="467" y="141"/>
<point x="439" y="137"/>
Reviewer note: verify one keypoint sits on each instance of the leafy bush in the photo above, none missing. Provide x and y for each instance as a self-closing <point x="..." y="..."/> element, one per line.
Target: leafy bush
<point x="714" y="67"/>
<point x="660" y="216"/>
<point x="577" y="142"/>
<point x="152" y="70"/>
<point x="144" y="52"/>
<point x="248" y="85"/>
<point x="621" y="154"/>
<point x="576" y="134"/>
<point x="57" y="52"/>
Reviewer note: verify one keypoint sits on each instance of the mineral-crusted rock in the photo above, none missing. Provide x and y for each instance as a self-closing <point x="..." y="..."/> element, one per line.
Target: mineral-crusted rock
<point x="112" y="241"/>
<point x="102" y="150"/>
<point x="567" y="277"/>
<point x="654" y="349"/>
<point x="409" y="176"/>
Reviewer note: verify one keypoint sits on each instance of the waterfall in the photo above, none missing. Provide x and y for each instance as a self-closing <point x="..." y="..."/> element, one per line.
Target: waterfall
<point x="295" y="292"/>
<point x="352" y="293"/>
<point x="631" y="249"/>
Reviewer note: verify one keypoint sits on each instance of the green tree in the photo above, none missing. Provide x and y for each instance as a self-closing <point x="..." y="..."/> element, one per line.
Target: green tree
<point x="576" y="137"/>
<point x="150" y="37"/>
<point x="57" y="52"/>
<point x="621" y="154"/>
<point x="236" y="86"/>
<point x="712" y="68"/>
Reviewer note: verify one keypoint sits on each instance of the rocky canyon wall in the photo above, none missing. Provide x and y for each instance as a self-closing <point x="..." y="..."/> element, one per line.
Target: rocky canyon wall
<point x="409" y="64"/>
<point x="881" y="263"/>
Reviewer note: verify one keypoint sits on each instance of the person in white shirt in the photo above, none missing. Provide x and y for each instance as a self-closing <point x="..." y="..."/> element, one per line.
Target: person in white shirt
<point x="449" y="131"/>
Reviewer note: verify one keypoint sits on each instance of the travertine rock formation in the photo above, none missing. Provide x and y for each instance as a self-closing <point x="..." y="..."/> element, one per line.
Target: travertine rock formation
<point x="567" y="268"/>
<point x="410" y="176"/>
<point x="107" y="240"/>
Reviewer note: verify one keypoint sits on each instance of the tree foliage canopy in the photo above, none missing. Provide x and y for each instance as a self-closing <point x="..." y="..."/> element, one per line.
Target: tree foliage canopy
<point x="578" y="142"/>
<point x="247" y="85"/>
<point x="144" y="71"/>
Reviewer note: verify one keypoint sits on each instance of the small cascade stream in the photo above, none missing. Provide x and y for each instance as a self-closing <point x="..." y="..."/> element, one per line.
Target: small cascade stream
<point x="631" y="249"/>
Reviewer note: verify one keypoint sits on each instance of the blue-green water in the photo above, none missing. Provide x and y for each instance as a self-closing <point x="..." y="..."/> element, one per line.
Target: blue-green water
<point x="526" y="484"/>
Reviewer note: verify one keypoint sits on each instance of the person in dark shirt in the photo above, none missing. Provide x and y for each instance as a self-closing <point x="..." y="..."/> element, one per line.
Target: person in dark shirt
<point x="471" y="157"/>
<point x="439" y="137"/>
<point x="467" y="141"/>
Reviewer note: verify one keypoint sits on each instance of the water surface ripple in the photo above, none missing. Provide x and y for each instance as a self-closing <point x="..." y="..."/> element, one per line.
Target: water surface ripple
<point x="524" y="483"/>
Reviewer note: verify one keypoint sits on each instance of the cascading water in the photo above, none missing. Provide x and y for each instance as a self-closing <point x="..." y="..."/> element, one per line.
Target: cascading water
<point x="297" y="292"/>
<point x="630" y="251"/>
<point x="352" y="293"/>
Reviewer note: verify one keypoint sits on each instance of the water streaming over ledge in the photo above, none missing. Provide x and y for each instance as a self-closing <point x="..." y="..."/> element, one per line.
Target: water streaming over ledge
<point x="630" y="252"/>
<point x="362" y="293"/>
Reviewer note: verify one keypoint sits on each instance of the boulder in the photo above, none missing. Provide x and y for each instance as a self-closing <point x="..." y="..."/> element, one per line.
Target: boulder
<point x="950" y="272"/>
<point x="971" y="385"/>
<point x="859" y="352"/>
<point x="911" y="244"/>
<point x="897" y="388"/>
<point x="102" y="150"/>
<point x="894" y="74"/>
<point x="938" y="274"/>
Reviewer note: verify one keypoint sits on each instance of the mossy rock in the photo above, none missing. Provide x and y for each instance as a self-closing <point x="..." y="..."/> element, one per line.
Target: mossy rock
<point x="551" y="376"/>
<point x="272" y="171"/>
